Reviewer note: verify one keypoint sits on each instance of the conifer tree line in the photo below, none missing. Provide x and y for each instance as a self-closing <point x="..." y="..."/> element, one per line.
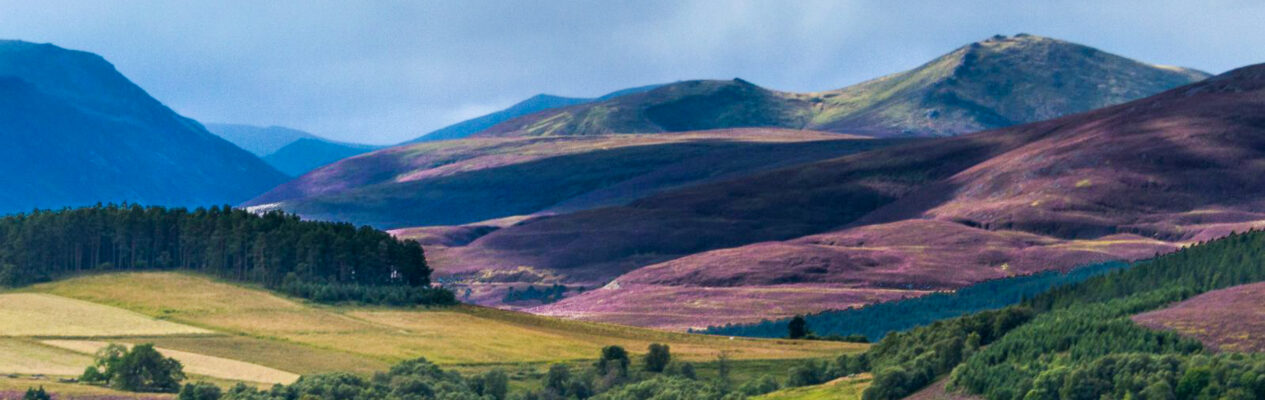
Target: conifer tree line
<point x="325" y="261"/>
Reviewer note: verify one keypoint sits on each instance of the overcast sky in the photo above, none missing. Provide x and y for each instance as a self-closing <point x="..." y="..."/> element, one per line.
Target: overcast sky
<point x="383" y="72"/>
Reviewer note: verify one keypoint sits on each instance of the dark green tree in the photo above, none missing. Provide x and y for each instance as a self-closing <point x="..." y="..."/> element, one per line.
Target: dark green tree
<point x="657" y="357"/>
<point x="199" y="391"/>
<point x="797" y="328"/>
<point x="614" y="360"/>
<point x="36" y="394"/>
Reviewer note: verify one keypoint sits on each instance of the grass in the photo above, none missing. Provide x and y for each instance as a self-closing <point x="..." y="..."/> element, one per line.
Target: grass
<point x="26" y="356"/>
<point x="35" y="314"/>
<point x="843" y="388"/>
<point x="194" y="363"/>
<point x="451" y="336"/>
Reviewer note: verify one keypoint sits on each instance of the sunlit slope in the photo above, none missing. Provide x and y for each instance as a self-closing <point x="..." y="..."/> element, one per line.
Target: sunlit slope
<point x="460" y="335"/>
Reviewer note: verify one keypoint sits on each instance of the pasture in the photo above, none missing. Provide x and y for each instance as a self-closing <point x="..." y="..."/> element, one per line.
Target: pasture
<point x="460" y="335"/>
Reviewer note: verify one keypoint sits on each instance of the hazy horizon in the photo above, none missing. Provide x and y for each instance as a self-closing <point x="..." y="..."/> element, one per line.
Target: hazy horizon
<point x="393" y="71"/>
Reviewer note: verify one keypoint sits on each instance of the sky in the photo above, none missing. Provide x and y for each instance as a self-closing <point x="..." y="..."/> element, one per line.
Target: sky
<point x="385" y="71"/>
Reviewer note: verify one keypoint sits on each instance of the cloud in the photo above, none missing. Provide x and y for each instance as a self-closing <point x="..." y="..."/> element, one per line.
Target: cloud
<point x="384" y="72"/>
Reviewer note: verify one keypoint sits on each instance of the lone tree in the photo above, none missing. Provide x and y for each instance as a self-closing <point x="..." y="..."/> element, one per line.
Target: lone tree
<point x="141" y="369"/>
<point x="658" y="357"/>
<point x="797" y="328"/>
<point x="614" y="359"/>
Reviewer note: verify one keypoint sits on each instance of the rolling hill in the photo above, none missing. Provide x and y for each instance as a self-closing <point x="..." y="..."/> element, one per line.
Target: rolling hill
<point x="533" y="104"/>
<point x="1122" y="182"/>
<point x="78" y="132"/>
<point x="990" y="84"/>
<point x="472" y="180"/>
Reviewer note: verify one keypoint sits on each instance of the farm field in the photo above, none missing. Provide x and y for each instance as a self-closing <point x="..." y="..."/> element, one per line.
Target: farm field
<point x="35" y="314"/>
<point x="454" y="336"/>
<point x="197" y="364"/>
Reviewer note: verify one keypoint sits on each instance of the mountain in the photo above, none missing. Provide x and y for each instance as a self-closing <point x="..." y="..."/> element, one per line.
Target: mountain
<point x="306" y="154"/>
<point x="534" y="104"/>
<point x="259" y="140"/>
<point x="78" y="132"/>
<point x="1123" y="182"/>
<point x="291" y="151"/>
<point x="476" y="179"/>
<point x="990" y="84"/>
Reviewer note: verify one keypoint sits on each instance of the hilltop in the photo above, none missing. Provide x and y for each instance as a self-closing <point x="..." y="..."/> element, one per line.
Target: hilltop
<point x="533" y="104"/>
<point x="78" y="132"/>
<point x="994" y="83"/>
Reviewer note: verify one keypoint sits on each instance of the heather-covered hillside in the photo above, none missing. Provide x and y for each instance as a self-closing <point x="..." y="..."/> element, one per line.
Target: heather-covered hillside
<point x="1123" y="182"/>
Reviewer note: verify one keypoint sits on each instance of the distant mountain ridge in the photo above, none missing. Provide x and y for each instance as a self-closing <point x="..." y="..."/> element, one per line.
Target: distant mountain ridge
<point x="994" y="83"/>
<point x="259" y="140"/>
<point x="78" y="132"/>
<point x="533" y="104"/>
<point x="291" y="151"/>
<point x="306" y="154"/>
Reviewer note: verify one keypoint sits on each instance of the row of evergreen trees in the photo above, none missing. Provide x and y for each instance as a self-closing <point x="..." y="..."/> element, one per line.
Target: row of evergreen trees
<point x="320" y="260"/>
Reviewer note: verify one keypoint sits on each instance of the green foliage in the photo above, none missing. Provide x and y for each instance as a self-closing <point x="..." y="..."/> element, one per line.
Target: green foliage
<point x="494" y="383"/>
<point x="614" y="360"/>
<point x="1085" y="345"/>
<point x="199" y="391"/>
<point x="413" y="379"/>
<point x="763" y="384"/>
<point x="665" y="388"/>
<point x="141" y="369"/>
<point x="657" y="357"/>
<point x="36" y="394"/>
<point x="680" y="369"/>
<point x="544" y="296"/>
<point x="330" y="262"/>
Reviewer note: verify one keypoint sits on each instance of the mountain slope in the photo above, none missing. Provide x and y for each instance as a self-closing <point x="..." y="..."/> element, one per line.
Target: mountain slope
<point x="533" y="104"/>
<point x="1118" y="183"/>
<point x="471" y="180"/>
<point x="994" y="83"/>
<point x="306" y="154"/>
<point x="78" y="133"/>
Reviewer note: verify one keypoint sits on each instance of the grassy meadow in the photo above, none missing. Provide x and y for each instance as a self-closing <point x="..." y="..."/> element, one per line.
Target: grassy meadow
<point x="839" y="389"/>
<point x="231" y="333"/>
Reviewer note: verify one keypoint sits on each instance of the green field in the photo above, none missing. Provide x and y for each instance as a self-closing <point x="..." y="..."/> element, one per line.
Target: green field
<point x="839" y="389"/>
<point x="451" y="336"/>
<point x="229" y="333"/>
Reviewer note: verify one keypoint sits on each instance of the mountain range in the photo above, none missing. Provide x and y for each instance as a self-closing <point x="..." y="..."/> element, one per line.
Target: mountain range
<point x="78" y="132"/>
<point x="989" y="84"/>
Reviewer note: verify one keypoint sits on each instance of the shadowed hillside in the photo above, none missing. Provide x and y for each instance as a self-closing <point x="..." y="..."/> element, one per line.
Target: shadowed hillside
<point x="458" y="182"/>
<point x="77" y="132"/>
